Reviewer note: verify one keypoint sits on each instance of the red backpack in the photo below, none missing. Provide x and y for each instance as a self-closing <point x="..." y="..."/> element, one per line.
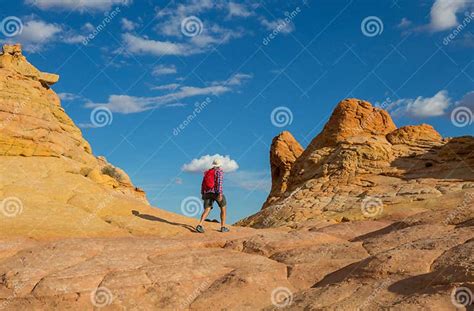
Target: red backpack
<point x="209" y="180"/>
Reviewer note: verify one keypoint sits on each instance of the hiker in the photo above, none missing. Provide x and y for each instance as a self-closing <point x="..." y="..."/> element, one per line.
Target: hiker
<point x="211" y="190"/>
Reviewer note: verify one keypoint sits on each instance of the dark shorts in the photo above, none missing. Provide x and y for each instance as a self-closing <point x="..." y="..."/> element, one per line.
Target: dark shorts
<point x="210" y="198"/>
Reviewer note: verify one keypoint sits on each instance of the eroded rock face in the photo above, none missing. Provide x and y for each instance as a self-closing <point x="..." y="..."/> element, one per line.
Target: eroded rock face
<point x="48" y="166"/>
<point x="361" y="166"/>
<point x="283" y="153"/>
<point x="423" y="134"/>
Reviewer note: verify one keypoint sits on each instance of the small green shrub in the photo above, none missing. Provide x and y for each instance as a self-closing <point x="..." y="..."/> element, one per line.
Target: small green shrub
<point x="112" y="172"/>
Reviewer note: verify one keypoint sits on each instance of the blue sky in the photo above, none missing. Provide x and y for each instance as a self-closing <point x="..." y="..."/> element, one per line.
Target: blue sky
<point x="240" y="72"/>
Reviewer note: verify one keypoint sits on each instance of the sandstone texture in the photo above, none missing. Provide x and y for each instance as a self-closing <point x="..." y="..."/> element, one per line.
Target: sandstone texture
<point x="361" y="166"/>
<point x="283" y="153"/>
<point x="51" y="185"/>
<point x="368" y="217"/>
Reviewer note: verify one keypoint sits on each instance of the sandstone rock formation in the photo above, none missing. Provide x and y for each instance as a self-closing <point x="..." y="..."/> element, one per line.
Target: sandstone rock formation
<point x="51" y="185"/>
<point x="283" y="153"/>
<point x="362" y="167"/>
<point x="361" y="265"/>
<point x="75" y="234"/>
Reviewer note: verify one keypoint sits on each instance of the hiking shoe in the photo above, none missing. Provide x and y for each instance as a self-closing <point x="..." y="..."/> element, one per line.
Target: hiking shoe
<point x="200" y="229"/>
<point x="224" y="229"/>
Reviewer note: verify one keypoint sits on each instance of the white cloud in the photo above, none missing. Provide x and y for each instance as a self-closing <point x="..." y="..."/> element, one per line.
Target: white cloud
<point x="88" y="27"/>
<point x="164" y="70"/>
<point x="239" y="10"/>
<point x="69" y="96"/>
<point x="205" y="162"/>
<point x="238" y="79"/>
<point x="77" y="5"/>
<point x="73" y="39"/>
<point x="467" y="100"/>
<point x="210" y="34"/>
<point x="250" y="180"/>
<point x="128" y="25"/>
<point x="159" y="48"/>
<point x="166" y="87"/>
<point x="422" y="106"/>
<point x="36" y="34"/>
<point x="404" y="23"/>
<point x="279" y="24"/>
<point x="443" y="13"/>
<point x="130" y="104"/>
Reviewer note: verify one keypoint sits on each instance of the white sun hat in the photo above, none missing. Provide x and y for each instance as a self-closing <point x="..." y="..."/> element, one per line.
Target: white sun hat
<point x="216" y="162"/>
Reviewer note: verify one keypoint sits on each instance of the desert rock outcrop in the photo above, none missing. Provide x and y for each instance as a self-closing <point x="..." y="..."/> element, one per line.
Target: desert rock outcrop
<point x="51" y="185"/>
<point x="362" y="167"/>
<point x="283" y="153"/>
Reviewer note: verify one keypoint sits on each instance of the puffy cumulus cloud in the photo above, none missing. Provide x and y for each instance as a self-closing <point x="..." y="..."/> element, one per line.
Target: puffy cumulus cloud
<point x="205" y="162"/>
<point x="77" y="5"/>
<point x="443" y="13"/>
<point x="422" y="107"/>
<point x="36" y="34"/>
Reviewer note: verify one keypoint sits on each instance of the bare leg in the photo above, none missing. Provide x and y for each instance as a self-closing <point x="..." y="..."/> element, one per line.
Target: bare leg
<point x="204" y="215"/>
<point x="223" y="215"/>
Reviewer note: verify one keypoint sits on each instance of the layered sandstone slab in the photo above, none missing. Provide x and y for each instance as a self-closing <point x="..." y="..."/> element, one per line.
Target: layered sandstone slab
<point x="367" y="265"/>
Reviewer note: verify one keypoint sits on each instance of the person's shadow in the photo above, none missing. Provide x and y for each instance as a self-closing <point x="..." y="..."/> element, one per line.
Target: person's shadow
<point x="154" y="218"/>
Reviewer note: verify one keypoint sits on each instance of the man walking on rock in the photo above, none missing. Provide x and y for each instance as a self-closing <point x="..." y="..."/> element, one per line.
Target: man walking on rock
<point x="212" y="190"/>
